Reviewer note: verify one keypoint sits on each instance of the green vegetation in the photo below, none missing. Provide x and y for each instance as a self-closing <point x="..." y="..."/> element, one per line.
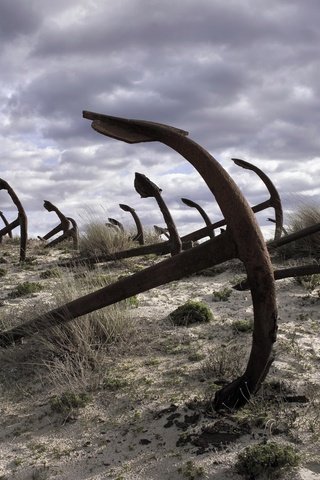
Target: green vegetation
<point x="51" y="273"/>
<point x="310" y="282"/>
<point x="224" y="361"/>
<point x="221" y="295"/>
<point x="191" y="312"/>
<point x="25" y="288"/>
<point x="191" y="471"/>
<point x="269" y="459"/>
<point x="243" y="326"/>
<point x="68" y="402"/>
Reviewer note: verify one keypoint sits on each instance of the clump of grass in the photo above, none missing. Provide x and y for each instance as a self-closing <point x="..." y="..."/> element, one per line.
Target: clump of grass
<point x="98" y="239"/>
<point x="224" y="362"/>
<point x="191" y="312"/>
<point x="3" y="272"/>
<point x="305" y="216"/>
<point x="221" y="295"/>
<point x="114" y="383"/>
<point x="25" y="288"/>
<point x="51" y="273"/>
<point x="191" y="471"/>
<point x="244" y="326"/>
<point x="267" y="459"/>
<point x="310" y="282"/>
<point x="75" y="355"/>
<point x="68" y="402"/>
<point x="133" y="301"/>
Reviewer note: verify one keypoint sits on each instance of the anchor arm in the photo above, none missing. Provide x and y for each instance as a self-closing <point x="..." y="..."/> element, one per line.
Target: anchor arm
<point x="140" y="236"/>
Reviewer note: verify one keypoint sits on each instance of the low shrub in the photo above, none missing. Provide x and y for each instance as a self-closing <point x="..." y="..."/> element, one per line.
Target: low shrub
<point x="269" y="459"/>
<point x="68" y="402"/>
<point x="243" y="326"/>
<point x="191" y="312"/>
<point x="25" y="288"/>
<point x="221" y="295"/>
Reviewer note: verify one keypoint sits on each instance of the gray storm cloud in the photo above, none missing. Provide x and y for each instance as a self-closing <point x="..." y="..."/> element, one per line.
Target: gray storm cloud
<point x="240" y="76"/>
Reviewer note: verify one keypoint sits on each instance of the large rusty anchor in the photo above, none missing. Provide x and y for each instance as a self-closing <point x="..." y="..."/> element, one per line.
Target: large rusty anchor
<point x="242" y="239"/>
<point x="67" y="225"/>
<point x="20" y="220"/>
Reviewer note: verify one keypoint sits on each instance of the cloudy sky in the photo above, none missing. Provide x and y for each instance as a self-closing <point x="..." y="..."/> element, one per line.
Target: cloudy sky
<point x="241" y="76"/>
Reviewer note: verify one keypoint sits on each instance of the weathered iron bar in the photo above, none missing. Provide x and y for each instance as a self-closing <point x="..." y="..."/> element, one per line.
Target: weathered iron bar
<point x="191" y="203"/>
<point x="305" y="232"/>
<point x="299" y="271"/>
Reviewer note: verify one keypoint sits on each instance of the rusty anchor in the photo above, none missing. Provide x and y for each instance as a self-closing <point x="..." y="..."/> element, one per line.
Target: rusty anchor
<point x="242" y="239"/>
<point x="139" y="237"/>
<point x="191" y="203"/>
<point x="67" y="225"/>
<point x="146" y="188"/>
<point x="20" y="220"/>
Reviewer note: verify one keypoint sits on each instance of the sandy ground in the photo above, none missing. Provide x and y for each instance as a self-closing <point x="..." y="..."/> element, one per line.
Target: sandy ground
<point x="151" y="421"/>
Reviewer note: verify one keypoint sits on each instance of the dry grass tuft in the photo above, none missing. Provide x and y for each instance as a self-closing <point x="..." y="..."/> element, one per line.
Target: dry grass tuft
<point x="305" y="216"/>
<point x="75" y="353"/>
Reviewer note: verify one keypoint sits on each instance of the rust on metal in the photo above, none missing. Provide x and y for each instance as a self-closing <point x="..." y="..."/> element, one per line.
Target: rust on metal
<point x="21" y="220"/>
